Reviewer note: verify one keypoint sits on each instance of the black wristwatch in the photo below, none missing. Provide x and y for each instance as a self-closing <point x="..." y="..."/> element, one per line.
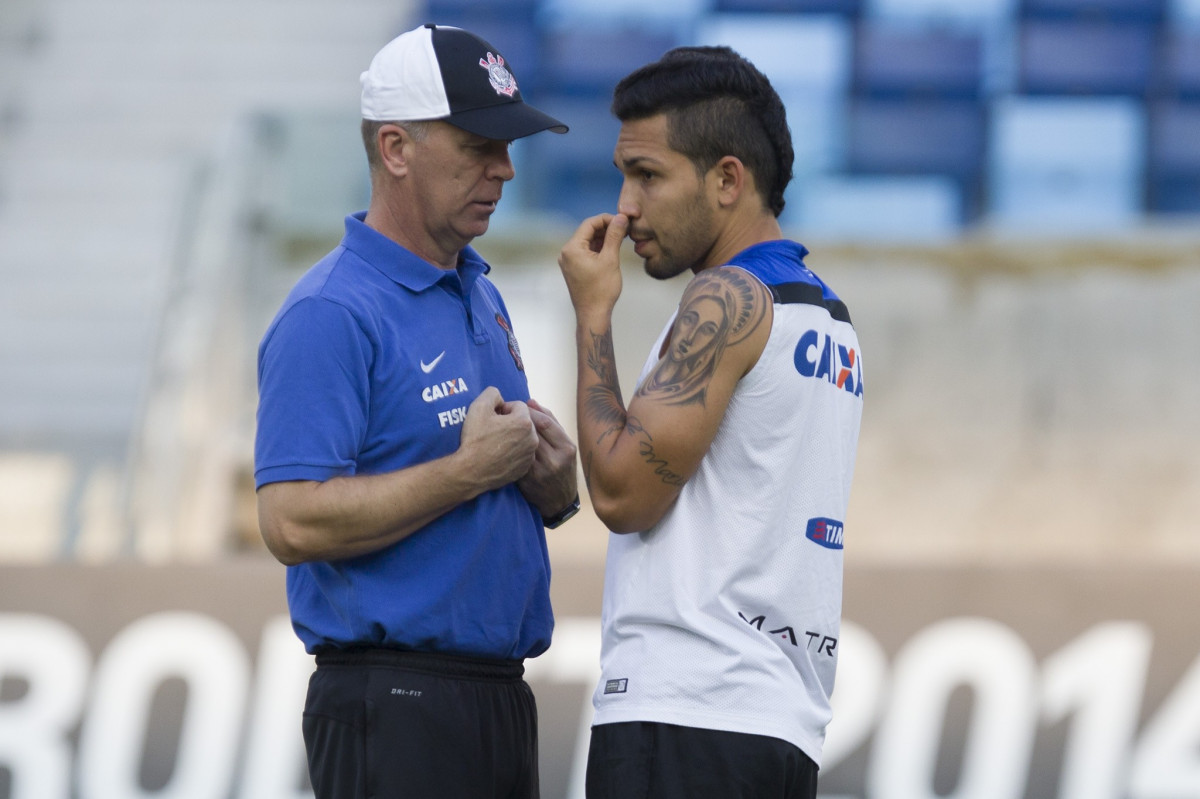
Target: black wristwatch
<point x="554" y="521"/>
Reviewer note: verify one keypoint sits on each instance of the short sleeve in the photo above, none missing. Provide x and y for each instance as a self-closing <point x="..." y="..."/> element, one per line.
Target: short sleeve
<point x="314" y="368"/>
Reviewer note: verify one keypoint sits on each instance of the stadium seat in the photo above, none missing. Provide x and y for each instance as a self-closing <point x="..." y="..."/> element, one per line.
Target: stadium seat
<point x="573" y="175"/>
<point x="893" y="137"/>
<point x="1067" y="164"/>
<point x="818" y="126"/>
<point x="973" y="15"/>
<point x="464" y="9"/>
<point x="813" y="88"/>
<point x="677" y="15"/>
<point x="796" y="51"/>
<point x="875" y="208"/>
<point x="1183" y="13"/>
<point x="589" y="61"/>
<point x="902" y="61"/>
<point x="1173" y="160"/>
<point x="1145" y="11"/>
<point x="1089" y="58"/>
<point x="1178" y="73"/>
<point x="846" y="7"/>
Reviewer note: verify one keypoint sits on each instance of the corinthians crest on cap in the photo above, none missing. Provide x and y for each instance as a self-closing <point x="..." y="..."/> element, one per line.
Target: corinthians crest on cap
<point x="498" y="75"/>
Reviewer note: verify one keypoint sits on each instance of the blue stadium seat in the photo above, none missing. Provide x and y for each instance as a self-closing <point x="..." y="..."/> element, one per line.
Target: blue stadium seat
<point x="846" y="7"/>
<point x="902" y="61"/>
<point x="573" y="175"/>
<point x="875" y="208"/>
<point x="1178" y="73"/>
<point x="898" y="137"/>
<point x="926" y="137"/>
<point x="1089" y="58"/>
<point x="516" y="9"/>
<point x="1183" y="13"/>
<point x="1152" y="11"/>
<point x="1067" y="164"/>
<point x="676" y="15"/>
<point x="1173" y="161"/>
<point x="818" y="125"/>
<point x="813" y="87"/>
<point x="974" y="15"/>
<point x="798" y="52"/>
<point x="589" y="61"/>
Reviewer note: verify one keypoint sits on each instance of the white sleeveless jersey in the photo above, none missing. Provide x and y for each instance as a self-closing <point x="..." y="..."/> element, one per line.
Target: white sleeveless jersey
<point x="726" y="614"/>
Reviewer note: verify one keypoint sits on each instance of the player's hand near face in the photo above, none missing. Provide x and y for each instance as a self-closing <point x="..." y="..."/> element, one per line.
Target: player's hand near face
<point x="591" y="262"/>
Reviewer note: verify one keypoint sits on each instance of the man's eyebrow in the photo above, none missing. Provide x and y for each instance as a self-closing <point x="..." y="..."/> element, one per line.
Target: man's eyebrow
<point x="629" y="163"/>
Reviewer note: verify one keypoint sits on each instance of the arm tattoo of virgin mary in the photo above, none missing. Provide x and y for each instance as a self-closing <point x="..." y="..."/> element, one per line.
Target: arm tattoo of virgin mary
<point x="720" y="308"/>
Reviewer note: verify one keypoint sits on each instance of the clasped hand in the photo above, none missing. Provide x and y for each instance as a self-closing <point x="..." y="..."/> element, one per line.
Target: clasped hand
<point x="513" y="441"/>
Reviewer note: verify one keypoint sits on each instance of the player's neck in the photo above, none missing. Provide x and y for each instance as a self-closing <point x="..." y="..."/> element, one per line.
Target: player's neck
<point x="741" y="232"/>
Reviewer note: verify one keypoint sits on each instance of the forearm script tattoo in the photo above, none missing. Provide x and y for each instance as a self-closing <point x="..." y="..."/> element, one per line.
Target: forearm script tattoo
<point x="603" y="406"/>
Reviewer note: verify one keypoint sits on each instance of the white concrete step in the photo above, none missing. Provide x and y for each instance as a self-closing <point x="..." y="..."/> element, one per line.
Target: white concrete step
<point x="83" y="175"/>
<point x="33" y="244"/>
<point x="123" y="217"/>
<point x="19" y="20"/>
<point x="300" y="22"/>
<point x="74" y="336"/>
<point x="138" y="98"/>
<point x="191" y="61"/>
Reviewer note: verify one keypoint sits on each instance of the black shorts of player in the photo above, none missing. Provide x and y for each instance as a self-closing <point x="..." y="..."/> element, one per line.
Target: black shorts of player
<point x="645" y="760"/>
<point x="382" y="724"/>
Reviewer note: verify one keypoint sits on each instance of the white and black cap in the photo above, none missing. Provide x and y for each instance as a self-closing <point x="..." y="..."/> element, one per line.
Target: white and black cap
<point x="446" y="73"/>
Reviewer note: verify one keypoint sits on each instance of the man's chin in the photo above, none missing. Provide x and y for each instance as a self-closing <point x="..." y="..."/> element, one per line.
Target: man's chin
<point x="659" y="270"/>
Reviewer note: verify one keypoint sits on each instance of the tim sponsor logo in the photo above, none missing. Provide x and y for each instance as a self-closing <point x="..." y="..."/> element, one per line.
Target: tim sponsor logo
<point x="826" y="532"/>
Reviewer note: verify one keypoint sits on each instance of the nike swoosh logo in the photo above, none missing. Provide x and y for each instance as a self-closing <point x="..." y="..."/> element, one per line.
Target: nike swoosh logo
<point x="428" y="367"/>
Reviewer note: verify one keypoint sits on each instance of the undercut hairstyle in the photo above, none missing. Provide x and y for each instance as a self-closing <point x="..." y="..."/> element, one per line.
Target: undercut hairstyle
<point x="717" y="104"/>
<point x="370" y="137"/>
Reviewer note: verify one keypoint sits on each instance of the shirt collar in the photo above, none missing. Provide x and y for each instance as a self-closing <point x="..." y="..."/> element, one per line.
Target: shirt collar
<point x="401" y="265"/>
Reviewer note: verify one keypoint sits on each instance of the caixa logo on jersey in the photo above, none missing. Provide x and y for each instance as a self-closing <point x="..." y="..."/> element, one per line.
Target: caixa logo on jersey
<point x="820" y="356"/>
<point x="826" y="532"/>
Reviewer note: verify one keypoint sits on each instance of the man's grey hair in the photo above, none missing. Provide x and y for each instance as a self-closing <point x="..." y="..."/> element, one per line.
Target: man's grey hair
<point x="370" y="136"/>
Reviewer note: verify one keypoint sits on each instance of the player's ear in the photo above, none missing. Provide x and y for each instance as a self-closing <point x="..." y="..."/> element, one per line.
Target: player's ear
<point x="729" y="178"/>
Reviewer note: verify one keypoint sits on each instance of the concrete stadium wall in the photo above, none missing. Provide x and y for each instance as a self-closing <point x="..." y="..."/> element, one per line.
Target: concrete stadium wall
<point x="1025" y="401"/>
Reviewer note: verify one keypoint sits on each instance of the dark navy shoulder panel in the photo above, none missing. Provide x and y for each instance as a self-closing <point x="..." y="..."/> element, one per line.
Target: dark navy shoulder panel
<point x="785" y="293"/>
<point x="780" y="266"/>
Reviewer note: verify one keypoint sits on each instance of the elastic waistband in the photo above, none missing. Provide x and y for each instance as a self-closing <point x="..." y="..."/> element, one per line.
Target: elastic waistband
<point x="429" y="662"/>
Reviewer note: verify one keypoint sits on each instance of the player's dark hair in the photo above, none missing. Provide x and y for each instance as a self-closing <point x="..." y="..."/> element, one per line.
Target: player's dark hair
<point x="717" y="104"/>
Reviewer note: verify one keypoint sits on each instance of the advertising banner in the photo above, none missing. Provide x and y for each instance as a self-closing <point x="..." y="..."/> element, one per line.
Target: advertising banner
<point x="124" y="682"/>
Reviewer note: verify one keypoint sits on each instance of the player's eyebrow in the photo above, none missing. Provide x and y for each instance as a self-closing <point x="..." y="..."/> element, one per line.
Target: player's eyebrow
<point x="630" y="163"/>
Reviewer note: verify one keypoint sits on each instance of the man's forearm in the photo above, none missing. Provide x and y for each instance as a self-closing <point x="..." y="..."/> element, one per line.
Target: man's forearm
<point x="601" y="411"/>
<point x="344" y="517"/>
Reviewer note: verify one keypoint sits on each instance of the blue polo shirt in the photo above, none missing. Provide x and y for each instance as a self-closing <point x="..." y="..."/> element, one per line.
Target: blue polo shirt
<point x="369" y="367"/>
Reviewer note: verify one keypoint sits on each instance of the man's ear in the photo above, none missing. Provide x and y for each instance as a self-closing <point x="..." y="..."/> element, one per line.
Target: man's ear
<point x="395" y="145"/>
<point x="730" y="179"/>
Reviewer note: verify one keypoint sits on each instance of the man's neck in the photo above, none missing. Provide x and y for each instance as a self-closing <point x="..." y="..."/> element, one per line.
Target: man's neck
<point x="393" y="222"/>
<point x="740" y="234"/>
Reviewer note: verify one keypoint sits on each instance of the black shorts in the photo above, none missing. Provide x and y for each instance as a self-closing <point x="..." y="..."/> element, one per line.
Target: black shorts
<point x="645" y="760"/>
<point x="380" y="724"/>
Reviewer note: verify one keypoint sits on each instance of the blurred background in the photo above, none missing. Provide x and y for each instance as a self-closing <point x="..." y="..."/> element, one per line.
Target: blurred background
<point x="1005" y="192"/>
